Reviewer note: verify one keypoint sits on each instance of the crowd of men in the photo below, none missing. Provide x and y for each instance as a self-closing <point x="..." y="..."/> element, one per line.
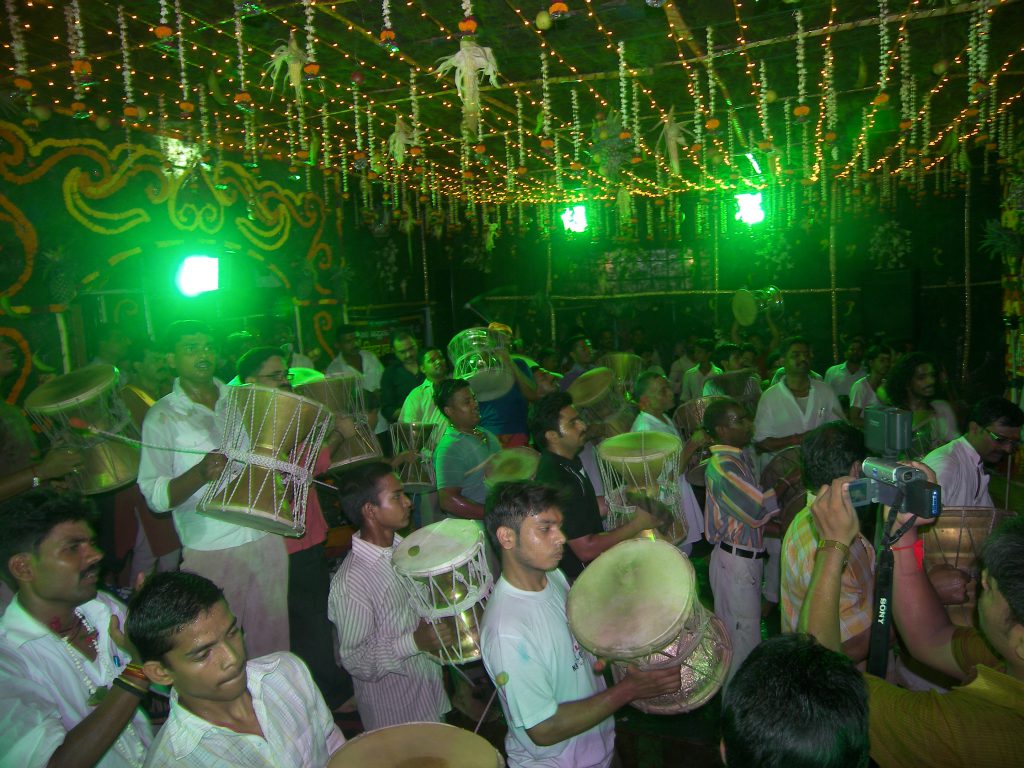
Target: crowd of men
<point x="259" y="645"/>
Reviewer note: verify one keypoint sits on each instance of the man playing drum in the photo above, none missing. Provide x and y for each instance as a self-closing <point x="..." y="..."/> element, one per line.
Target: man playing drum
<point x="179" y="458"/>
<point x="382" y="642"/>
<point x="226" y="709"/>
<point x="559" y="712"/>
<point x="653" y="394"/>
<point x="462" y="452"/>
<point x="736" y="511"/>
<point x="560" y="434"/>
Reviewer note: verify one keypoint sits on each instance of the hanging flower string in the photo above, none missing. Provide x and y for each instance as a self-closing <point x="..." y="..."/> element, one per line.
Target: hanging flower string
<point x="311" y="68"/>
<point x="358" y="155"/>
<point x="636" y="124"/>
<point x="81" y="68"/>
<point x="204" y="126"/>
<point x="387" y="34"/>
<point x="521" y="168"/>
<point x="186" y="105"/>
<point x="414" y="101"/>
<point x="829" y="87"/>
<point x="468" y="24"/>
<point x="801" y="110"/>
<point x="21" y="81"/>
<point x="762" y="102"/>
<point x="712" y="121"/>
<point x="131" y="111"/>
<point x="163" y="29"/>
<point x="547" y="142"/>
<point x="577" y="131"/>
<point x="623" y="92"/>
<point x="243" y="99"/>
<point x="907" y="106"/>
<point x="883" y="52"/>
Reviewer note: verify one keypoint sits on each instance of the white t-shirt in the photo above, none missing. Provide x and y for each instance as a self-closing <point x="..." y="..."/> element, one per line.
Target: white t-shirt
<point x="526" y="636"/>
<point x="840" y="379"/>
<point x="862" y="394"/>
<point x="779" y="414"/>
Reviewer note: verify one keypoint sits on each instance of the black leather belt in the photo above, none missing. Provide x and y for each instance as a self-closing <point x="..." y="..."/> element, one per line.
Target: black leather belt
<point x="748" y="553"/>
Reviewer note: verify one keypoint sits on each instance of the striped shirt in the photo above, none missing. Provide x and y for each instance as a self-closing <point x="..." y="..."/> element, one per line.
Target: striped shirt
<point x="731" y="487"/>
<point x="395" y="681"/>
<point x="856" y="598"/>
<point x="298" y="729"/>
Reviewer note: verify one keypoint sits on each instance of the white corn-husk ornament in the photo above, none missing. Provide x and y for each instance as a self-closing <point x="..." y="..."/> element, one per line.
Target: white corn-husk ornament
<point x="400" y="140"/>
<point x="471" y="64"/>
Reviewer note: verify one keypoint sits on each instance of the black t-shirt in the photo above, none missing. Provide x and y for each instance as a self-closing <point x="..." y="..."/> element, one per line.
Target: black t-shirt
<point x="580" y="513"/>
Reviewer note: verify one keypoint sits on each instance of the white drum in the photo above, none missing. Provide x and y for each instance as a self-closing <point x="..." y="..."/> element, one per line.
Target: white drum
<point x="417" y="476"/>
<point x="643" y="465"/>
<point x="271" y="439"/>
<point x="444" y="569"/>
<point x="598" y="399"/>
<point x="637" y="603"/>
<point x="474" y="355"/>
<point x="417" y="745"/>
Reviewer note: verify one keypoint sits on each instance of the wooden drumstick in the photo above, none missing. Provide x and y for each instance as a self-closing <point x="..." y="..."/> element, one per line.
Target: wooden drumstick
<point x="499" y="682"/>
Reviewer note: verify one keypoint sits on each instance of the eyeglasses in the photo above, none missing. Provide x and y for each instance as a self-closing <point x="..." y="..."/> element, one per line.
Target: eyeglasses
<point x="1003" y="440"/>
<point x="278" y="376"/>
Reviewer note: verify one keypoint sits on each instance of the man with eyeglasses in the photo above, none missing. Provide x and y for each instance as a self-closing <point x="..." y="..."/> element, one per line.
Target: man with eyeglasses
<point x="180" y="456"/>
<point x="993" y="432"/>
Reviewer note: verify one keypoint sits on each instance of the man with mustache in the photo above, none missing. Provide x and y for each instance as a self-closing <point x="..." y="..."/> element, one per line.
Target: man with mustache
<point x="226" y="709"/>
<point x="462" y="451"/>
<point x="180" y="438"/>
<point x="786" y="412"/>
<point x="559" y="712"/>
<point x="70" y="685"/>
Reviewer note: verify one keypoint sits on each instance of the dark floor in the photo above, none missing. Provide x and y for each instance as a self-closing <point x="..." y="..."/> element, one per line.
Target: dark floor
<point x="643" y="740"/>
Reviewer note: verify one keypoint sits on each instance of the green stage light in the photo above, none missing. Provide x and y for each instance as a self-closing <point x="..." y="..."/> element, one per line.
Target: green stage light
<point x="574" y="218"/>
<point x="198" y="274"/>
<point x="750" y="210"/>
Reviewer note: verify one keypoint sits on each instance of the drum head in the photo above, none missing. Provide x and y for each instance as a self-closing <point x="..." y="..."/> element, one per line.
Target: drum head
<point x="591" y="386"/>
<point x="437" y="547"/>
<point x="744" y="307"/>
<point x="632" y="600"/>
<point x="79" y="386"/>
<point x="303" y="376"/>
<point x="635" y="448"/>
<point x="417" y="745"/>
<point x="490" y="383"/>
<point x="519" y="463"/>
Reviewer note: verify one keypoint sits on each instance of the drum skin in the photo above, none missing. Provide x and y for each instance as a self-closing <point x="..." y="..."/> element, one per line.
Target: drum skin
<point x="417" y="745"/>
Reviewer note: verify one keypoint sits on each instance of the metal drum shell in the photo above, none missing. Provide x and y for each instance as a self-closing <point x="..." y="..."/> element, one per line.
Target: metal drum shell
<point x="417" y="436"/>
<point x="475" y="358"/>
<point x="89" y="395"/>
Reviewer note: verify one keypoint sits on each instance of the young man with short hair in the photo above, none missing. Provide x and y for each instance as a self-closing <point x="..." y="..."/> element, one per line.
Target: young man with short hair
<point x="226" y="709"/>
<point x="462" y="451"/>
<point x="864" y="391"/>
<point x="559" y="712"/>
<point x="70" y="687"/>
<point x="581" y="352"/>
<point x="382" y="642"/>
<point x="693" y="380"/>
<point x="419" y="404"/>
<point x="794" y="702"/>
<point x="401" y="377"/>
<point x="180" y="456"/>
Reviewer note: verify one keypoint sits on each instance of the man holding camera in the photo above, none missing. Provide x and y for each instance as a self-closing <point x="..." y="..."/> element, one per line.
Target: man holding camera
<point x="992" y="434"/>
<point x="832" y="450"/>
<point x="977" y="724"/>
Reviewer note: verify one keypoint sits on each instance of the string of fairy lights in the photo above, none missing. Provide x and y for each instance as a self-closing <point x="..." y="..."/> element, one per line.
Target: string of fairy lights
<point x="343" y="130"/>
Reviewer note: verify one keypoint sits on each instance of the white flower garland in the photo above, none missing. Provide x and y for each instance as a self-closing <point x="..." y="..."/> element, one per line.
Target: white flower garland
<point x="185" y="96"/>
<point x="126" y="64"/>
<point x="623" y="88"/>
<point x="17" y="40"/>
<point x="307" y="6"/>
<point x="883" y="44"/>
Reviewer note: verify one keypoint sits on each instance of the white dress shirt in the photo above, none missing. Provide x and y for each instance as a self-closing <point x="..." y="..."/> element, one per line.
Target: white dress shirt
<point x="961" y="474"/>
<point x="779" y="414"/>
<point x="395" y="681"/>
<point x="419" y="405"/>
<point x="176" y="434"/>
<point x="862" y="394"/>
<point x="43" y="694"/>
<point x="298" y="729"/>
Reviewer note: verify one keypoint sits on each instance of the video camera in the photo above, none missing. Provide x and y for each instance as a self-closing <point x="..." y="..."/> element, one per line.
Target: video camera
<point x="887" y="431"/>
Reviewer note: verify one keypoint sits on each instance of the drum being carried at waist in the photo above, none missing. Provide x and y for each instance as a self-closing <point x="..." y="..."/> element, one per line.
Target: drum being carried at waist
<point x="417" y="745"/>
<point x="637" y="603"/>
<point x="955" y="540"/>
<point x="271" y="439"/>
<point x="416" y="437"/>
<point x="601" y="404"/>
<point x="640" y="465"/>
<point x="474" y="355"/>
<point x="443" y="567"/>
<point x="84" y="411"/>
<point x="344" y="396"/>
